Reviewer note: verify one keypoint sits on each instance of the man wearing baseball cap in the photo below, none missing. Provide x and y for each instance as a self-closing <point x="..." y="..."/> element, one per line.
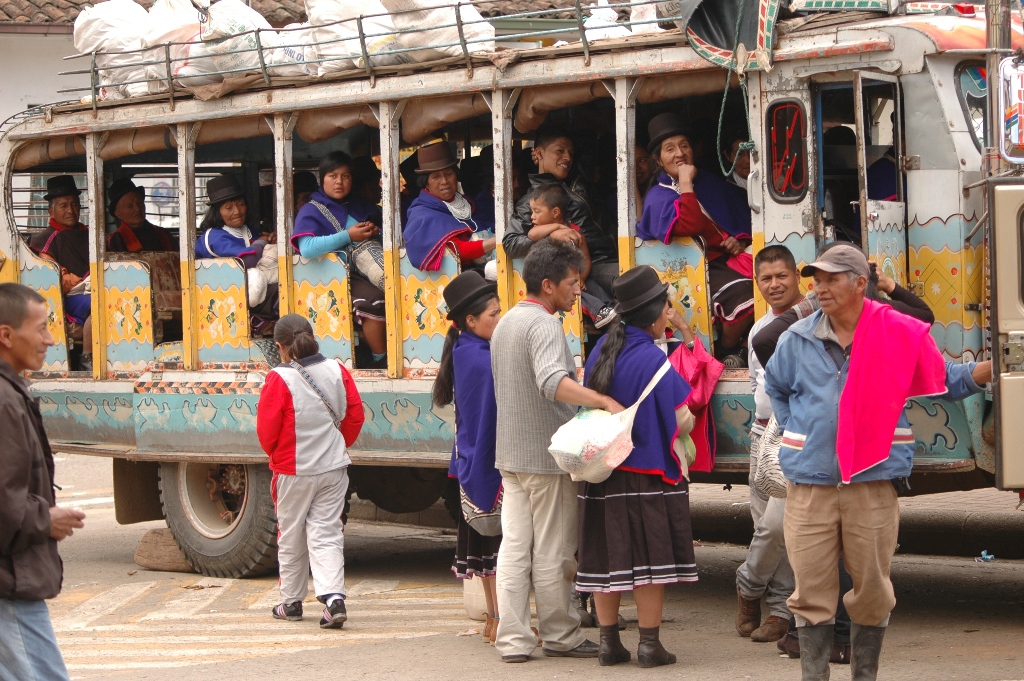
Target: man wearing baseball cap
<point x="839" y="381"/>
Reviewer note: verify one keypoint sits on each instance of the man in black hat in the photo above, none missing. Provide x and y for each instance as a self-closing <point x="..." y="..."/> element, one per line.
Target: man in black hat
<point x="134" y="232"/>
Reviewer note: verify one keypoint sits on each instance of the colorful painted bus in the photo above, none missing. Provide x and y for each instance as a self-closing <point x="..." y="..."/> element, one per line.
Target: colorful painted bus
<point x="177" y="368"/>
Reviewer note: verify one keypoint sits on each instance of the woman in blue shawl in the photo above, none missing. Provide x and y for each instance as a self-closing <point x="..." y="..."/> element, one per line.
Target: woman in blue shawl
<point x="635" y="530"/>
<point x="335" y="220"/>
<point x="440" y="215"/>
<point x="685" y="201"/>
<point x="464" y="378"/>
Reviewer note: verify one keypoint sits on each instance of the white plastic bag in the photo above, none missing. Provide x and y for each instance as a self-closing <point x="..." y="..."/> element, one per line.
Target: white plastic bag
<point x="417" y="14"/>
<point x="112" y="26"/>
<point x="595" y="442"/>
<point x="173" y="21"/>
<point x="644" y="13"/>
<point x="602" y="23"/>
<point x="294" y="52"/>
<point x="230" y="37"/>
<point x="338" y="43"/>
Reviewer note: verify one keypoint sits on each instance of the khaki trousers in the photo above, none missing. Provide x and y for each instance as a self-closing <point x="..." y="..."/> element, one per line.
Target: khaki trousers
<point x="859" y="521"/>
<point x="538" y="546"/>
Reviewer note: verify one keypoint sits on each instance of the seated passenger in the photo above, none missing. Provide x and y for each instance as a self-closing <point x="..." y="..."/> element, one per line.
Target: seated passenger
<point x="303" y="185"/>
<point x="134" y="233"/>
<point x="741" y="159"/>
<point x="336" y="221"/>
<point x="66" y="242"/>
<point x="483" y="198"/>
<point x="223" y="233"/>
<point x="553" y="154"/>
<point x="441" y="215"/>
<point x="366" y="180"/>
<point x="688" y="202"/>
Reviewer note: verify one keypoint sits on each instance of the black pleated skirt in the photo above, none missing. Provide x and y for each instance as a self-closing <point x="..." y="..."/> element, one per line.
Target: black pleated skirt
<point x="475" y="554"/>
<point x="634" y="531"/>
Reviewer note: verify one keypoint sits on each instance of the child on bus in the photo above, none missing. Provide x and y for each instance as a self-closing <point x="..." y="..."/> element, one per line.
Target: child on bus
<point x="309" y="413"/>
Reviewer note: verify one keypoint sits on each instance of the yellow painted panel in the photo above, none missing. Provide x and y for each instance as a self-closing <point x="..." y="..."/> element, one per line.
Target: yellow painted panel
<point x="423" y="308"/>
<point x="129" y="315"/>
<point x="220" y="316"/>
<point x="326" y="309"/>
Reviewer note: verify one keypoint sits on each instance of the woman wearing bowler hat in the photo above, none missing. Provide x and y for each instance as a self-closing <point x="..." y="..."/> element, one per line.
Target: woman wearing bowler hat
<point x="134" y="232"/>
<point x="685" y="201"/>
<point x="464" y="378"/>
<point x="635" y="530"/>
<point x="223" y="233"/>
<point x="441" y="215"/>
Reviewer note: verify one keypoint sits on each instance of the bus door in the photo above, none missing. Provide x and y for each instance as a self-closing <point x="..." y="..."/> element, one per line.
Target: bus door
<point x="882" y="187"/>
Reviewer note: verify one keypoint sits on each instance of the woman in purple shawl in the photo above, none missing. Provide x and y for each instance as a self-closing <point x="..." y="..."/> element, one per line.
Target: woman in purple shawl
<point x="464" y="378"/>
<point x="440" y="215"/>
<point x="686" y="202"/>
<point x="333" y="221"/>
<point x="635" y="530"/>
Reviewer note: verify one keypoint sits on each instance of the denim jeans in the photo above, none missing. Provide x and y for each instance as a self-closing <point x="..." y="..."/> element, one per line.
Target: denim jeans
<point x="28" y="646"/>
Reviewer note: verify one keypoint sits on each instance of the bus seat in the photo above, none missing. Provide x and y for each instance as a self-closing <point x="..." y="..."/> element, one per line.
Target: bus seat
<point x="128" y="318"/>
<point x="222" y="318"/>
<point x="422" y="310"/>
<point x="320" y="293"/>
<point x="572" y="321"/>
<point x="43" y="276"/>
<point x="681" y="265"/>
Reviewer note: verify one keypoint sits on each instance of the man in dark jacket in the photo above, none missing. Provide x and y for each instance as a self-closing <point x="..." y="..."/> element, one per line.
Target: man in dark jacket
<point x="30" y="523"/>
<point x="553" y="154"/>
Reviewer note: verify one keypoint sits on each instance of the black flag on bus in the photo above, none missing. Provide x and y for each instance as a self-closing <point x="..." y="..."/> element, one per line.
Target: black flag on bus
<point x="727" y="32"/>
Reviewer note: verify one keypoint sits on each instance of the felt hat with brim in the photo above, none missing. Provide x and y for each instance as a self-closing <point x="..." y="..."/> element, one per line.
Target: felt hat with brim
<point x="433" y="157"/>
<point x="464" y="290"/>
<point x="663" y="126"/>
<point x="61" y="185"/>
<point x="841" y="258"/>
<point x="223" y="188"/>
<point x="636" y="288"/>
<point x="120" y="189"/>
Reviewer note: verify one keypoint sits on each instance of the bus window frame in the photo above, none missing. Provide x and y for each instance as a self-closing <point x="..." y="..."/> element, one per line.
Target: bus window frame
<point x="772" y="107"/>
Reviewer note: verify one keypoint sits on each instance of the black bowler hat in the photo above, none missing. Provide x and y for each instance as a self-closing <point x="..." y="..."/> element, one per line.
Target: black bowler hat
<point x="122" y="188"/>
<point x="663" y="126"/>
<point x="464" y="290"/>
<point x="435" y="156"/>
<point x="223" y="188"/>
<point x="636" y="288"/>
<point x="61" y="185"/>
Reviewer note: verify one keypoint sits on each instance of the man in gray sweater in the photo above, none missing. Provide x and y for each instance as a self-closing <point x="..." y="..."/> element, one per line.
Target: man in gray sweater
<point x="537" y="392"/>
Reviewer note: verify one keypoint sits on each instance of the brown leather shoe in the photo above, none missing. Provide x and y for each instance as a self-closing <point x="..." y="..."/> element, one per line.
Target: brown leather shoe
<point x="748" y="618"/>
<point x="773" y="629"/>
<point x="789" y="644"/>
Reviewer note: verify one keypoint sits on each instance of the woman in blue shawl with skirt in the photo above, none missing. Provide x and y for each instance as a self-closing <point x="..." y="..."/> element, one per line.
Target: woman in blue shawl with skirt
<point x="635" y="530"/>
<point x="335" y="220"/>
<point x="440" y="215"/>
<point x="464" y="377"/>
<point x="686" y="202"/>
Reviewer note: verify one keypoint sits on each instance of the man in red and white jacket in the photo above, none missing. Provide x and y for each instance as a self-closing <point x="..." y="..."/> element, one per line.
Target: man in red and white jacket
<point x="309" y="413"/>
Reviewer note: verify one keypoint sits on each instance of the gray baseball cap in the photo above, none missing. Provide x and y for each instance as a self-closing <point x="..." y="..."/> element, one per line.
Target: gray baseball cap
<point x="841" y="258"/>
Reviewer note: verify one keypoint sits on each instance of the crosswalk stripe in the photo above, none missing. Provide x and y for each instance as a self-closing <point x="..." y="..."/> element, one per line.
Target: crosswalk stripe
<point x="83" y="615"/>
<point x="372" y="586"/>
<point x="197" y="597"/>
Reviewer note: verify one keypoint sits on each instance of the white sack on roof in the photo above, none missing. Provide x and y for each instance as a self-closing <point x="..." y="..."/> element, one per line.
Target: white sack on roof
<point x="602" y="23"/>
<point x="112" y="26"/>
<point x="224" y="42"/>
<point x="644" y="13"/>
<point x="415" y="14"/>
<point x="294" y="52"/>
<point x="338" y="43"/>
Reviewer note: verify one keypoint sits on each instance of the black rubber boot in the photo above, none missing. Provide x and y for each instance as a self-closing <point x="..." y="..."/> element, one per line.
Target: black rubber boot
<point x="815" y="648"/>
<point x="612" y="651"/>
<point x="651" y="653"/>
<point x="867" y="646"/>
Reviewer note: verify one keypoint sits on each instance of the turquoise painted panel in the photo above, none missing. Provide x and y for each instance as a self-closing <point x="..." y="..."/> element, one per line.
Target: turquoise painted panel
<point x="733" y="415"/>
<point x="406" y="423"/>
<point x="44" y="277"/>
<point x="93" y="417"/>
<point x="196" y="420"/>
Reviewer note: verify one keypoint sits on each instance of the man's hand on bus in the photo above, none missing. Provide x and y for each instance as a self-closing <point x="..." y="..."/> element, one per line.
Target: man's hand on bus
<point x="733" y="246"/>
<point x="982" y="373"/>
<point x="567" y="235"/>
<point x="64" y="522"/>
<point x="68" y="281"/>
<point x="362" y="231"/>
<point x="269" y="237"/>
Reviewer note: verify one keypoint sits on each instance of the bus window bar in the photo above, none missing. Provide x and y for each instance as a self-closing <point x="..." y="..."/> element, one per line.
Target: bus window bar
<point x="167" y="78"/>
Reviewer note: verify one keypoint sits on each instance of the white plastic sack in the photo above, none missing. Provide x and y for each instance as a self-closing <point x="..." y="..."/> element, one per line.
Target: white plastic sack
<point x="593" y="443"/>
<point x="113" y="26"/>
<point x="230" y="36"/>
<point x="294" y="53"/>
<point x="644" y="13"/>
<point x="416" y="14"/>
<point x="602" y="23"/>
<point x="338" y="43"/>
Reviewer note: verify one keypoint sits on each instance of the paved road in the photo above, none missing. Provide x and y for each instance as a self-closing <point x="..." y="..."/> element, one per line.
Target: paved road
<point x="956" y="619"/>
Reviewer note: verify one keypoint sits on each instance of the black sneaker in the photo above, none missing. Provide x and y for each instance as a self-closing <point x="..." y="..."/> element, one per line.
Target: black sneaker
<point x="605" y="316"/>
<point x="334" y="615"/>
<point x="288" y="611"/>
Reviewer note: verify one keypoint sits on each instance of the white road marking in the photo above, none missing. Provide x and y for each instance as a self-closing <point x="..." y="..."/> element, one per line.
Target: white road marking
<point x="372" y="586"/>
<point x="191" y="601"/>
<point x="74" y="503"/>
<point x="83" y="615"/>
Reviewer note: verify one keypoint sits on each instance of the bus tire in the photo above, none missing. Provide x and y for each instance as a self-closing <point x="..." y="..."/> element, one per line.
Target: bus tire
<point x="221" y="516"/>
<point x="399" y="490"/>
